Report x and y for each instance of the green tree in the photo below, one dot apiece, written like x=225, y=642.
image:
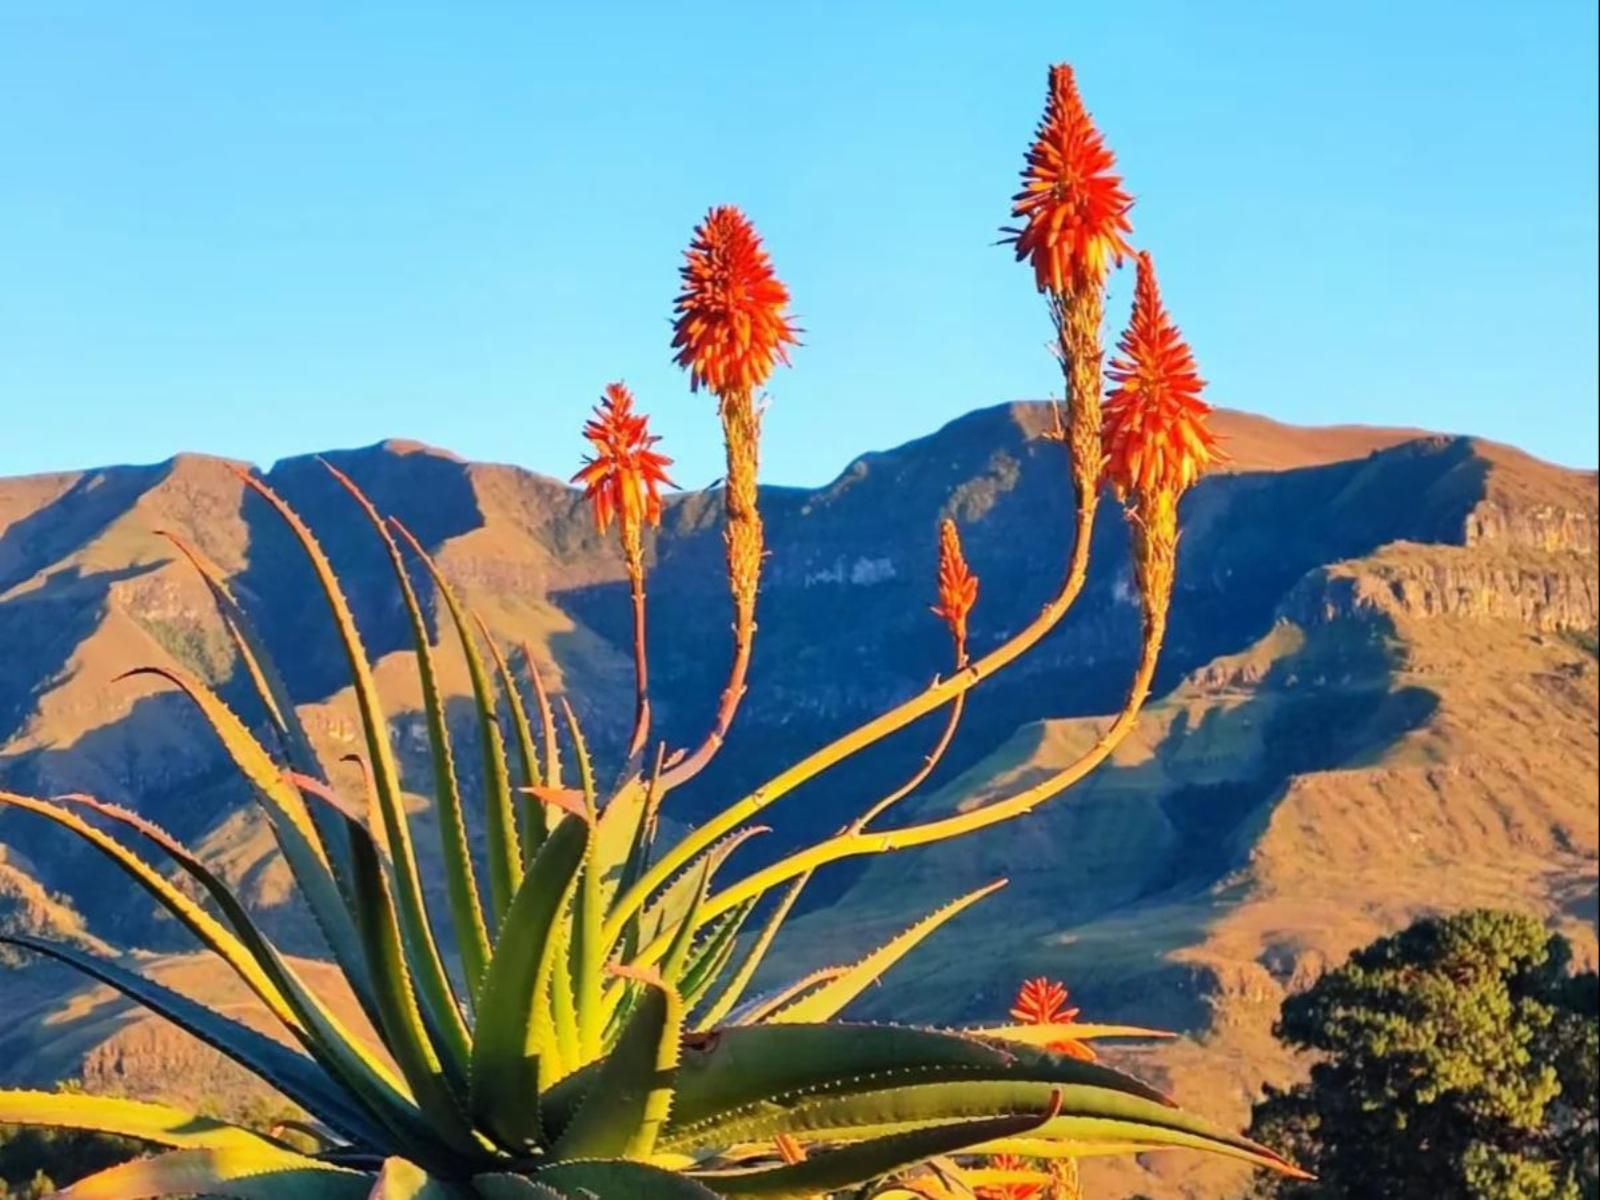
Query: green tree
x=1457, y=1061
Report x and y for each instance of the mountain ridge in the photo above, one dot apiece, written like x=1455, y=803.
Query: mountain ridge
x=1376, y=632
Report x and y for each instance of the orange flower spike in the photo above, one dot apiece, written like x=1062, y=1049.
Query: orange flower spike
x=731, y=329
x=1155, y=435
x=623, y=477
x=1072, y=205
x=958, y=586
x=1043, y=1001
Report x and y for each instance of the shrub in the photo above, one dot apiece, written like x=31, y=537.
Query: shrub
x=1458, y=1060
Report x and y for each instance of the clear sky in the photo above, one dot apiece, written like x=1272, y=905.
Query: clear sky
x=260, y=230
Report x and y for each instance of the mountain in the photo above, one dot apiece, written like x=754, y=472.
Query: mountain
x=1378, y=698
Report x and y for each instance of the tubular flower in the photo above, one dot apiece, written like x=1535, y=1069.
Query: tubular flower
x=1043, y=1001
x=623, y=477
x=1072, y=205
x=731, y=329
x=958, y=586
x=1155, y=433
x=730, y=332
x=1156, y=439
x=1012, y=1190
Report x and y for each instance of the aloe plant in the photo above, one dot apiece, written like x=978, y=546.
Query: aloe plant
x=587, y=1029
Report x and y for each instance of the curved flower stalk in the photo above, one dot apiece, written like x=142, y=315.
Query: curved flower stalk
x=732, y=329
x=1075, y=215
x=622, y=480
x=958, y=593
x=597, y=1040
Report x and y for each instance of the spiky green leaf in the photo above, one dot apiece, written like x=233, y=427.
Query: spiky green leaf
x=830, y=999
x=864, y=1161
x=434, y=993
x=631, y=1093
x=461, y=884
x=500, y=823
x=235, y=1173
x=733, y=991
x=621, y=1181
x=516, y=1034
x=158, y=1123
x=296, y=834
x=296, y=1076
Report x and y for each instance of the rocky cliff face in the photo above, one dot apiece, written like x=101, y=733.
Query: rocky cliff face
x=1549, y=591
x=1377, y=696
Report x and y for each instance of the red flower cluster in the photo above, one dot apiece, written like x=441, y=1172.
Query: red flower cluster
x=1155, y=433
x=623, y=477
x=1074, y=210
x=958, y=586
x=731, y=329
x=1043, y=1001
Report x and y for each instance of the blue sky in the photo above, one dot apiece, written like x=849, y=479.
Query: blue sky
x=264, y=230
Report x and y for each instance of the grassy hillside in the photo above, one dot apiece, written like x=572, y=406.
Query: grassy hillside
x=1378, y=698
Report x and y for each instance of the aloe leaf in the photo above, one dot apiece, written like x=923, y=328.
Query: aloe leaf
x=275, y=698
x=500, y=822
x=237, y=1173
x=158, y=1123
x=828, y=1000
x=515, y=1028
x=296, y=834
x=316, y=1027
x=530, y=811
x=638, y=857
x=547, y=720
x=400, y=1179
x=461, y=884
x=1090, y=1113
x=438, y=1091
x=588, y=950
x=622, y=828
x=199, y=922
x=620, y=1180
x=864, y=1161
x=733, y=991
x=296, y=1076
x=677, y=955
x=760, y=1009
x=667, y=911
x=433, y=986
x=1037, y=1147
x=258, y=663
x=631, y=1093
x=728, y=1069
x=514, y=1187
x=732, y=1068
x=563, y=998
x=711, y=957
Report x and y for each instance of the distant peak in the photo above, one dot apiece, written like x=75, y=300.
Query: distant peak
x=411, y=446
x=377, y=451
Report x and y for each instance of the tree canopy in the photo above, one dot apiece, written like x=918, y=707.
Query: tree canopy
x=1457, y=1060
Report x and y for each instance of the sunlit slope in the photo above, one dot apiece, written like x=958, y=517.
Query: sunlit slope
x=1275, y=811
x=1378, y=695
